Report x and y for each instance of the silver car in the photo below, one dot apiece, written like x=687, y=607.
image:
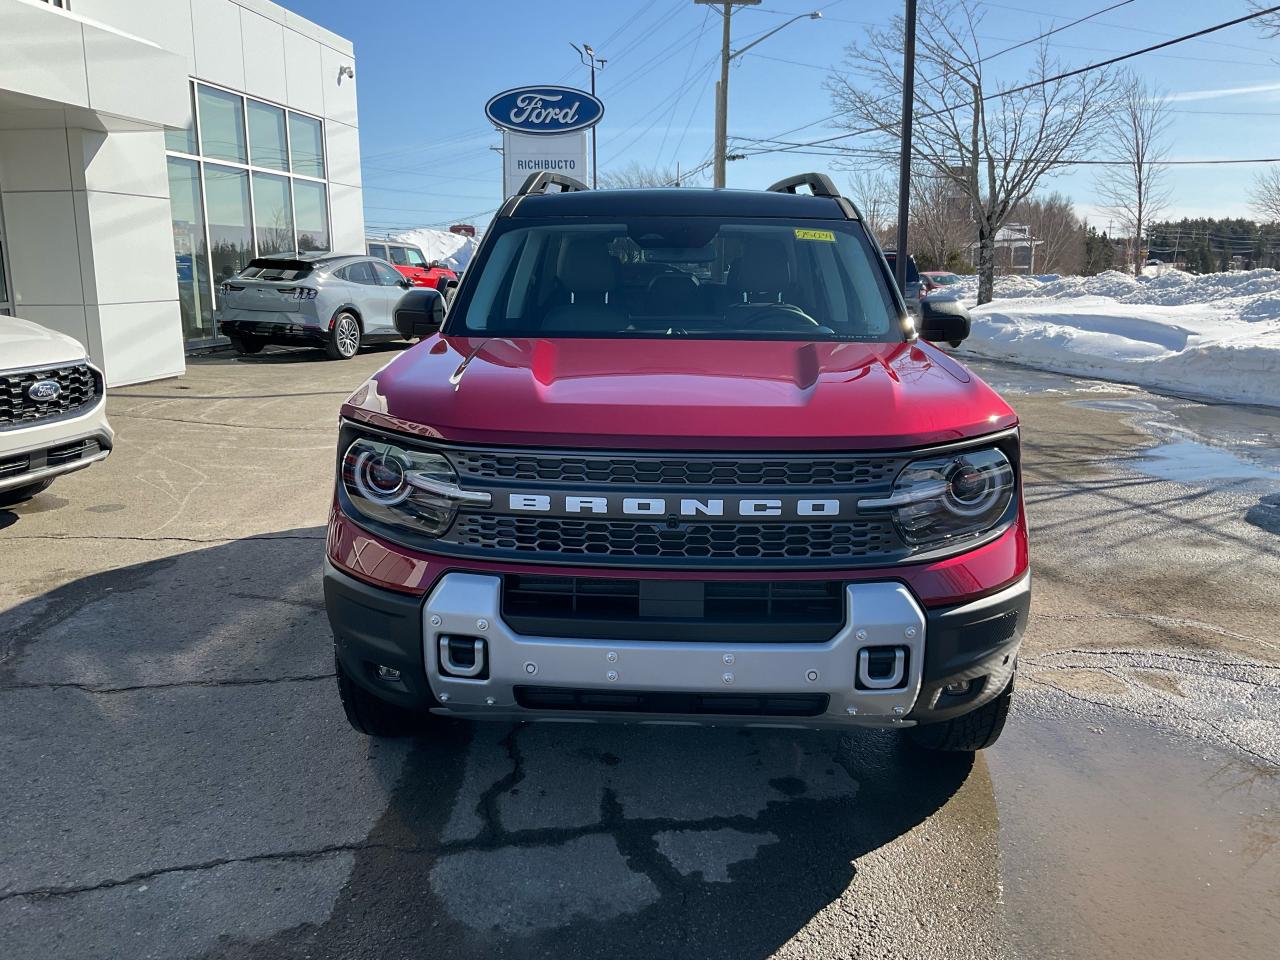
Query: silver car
x=320, y=300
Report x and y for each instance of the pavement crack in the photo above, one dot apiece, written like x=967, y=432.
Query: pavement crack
x=221, y=423
x=307, y=604
x=318, y=853
x=487, y=805
x=177, y=684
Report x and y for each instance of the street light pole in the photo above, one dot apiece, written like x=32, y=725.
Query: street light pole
x=725, y=9
x=904, y=164
x=589, y=60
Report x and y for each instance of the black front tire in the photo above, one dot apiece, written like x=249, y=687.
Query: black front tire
x=246, y=345
x=371, y=715
x=972, y=731
x=19, y=494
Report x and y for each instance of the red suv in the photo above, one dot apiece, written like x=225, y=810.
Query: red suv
x=679, y=455
x=408, y=259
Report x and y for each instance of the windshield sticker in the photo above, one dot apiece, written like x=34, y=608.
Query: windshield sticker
x=827, y=235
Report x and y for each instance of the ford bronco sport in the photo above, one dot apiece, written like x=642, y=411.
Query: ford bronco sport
x=678, y=455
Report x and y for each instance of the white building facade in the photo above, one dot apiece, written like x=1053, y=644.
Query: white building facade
x=150, y=149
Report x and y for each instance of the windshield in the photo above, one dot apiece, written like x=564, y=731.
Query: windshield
x=692, y=277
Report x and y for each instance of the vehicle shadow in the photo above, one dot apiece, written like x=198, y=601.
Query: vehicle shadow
x=647, y=842
x=286, y=355
x=213, y=666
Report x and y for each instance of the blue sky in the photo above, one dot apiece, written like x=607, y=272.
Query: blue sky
x=425, y=71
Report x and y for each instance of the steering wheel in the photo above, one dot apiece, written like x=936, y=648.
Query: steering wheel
x=776, y=316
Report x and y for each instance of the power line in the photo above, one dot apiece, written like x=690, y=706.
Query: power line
x=890, y=155
x=1030, y=40
x=1065, y=75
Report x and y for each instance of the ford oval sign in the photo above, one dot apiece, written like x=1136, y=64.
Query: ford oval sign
x=43, y=391
x=544, y=110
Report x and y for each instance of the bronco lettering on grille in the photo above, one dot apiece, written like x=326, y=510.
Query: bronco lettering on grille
x=747, y=507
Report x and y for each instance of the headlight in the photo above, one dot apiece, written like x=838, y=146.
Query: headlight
x=401, y=486
x=952, y=496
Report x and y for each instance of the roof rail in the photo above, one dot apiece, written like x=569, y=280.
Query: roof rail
x=539, y=182
x=819, y=185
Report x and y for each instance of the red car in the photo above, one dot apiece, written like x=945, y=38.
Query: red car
x=408, y=259
x=678, y=455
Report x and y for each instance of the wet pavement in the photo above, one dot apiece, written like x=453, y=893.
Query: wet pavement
x=179, y=780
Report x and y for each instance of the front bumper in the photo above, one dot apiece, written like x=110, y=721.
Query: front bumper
x=30, y=453
x=792, y=684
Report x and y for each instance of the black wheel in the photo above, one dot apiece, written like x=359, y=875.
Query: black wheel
x=971, y=731
x=18, y=494
x=372, y=716
x=244, y=345
x=344, y=338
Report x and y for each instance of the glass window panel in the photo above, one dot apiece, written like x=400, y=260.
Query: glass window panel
x=266, y=136
x=190, y=252
x=386, y=276
x=272, y=214
x=378, y=250
x=221, y=124
x=311, y=210
x=183, y=139
x=230, y=236
x=306, y=141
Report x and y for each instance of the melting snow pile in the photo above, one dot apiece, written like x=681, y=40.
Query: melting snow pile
x=453, y=248
x=1214, y=335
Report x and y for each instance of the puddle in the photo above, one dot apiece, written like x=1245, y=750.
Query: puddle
x=1124, y=843
x=1192, y=462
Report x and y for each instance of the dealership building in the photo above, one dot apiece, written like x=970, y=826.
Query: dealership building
x=149, y=149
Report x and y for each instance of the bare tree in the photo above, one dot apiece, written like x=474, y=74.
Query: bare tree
x=876, y=196
x=1266, y=193
x=994, y=141
x=636, y=174
x=1058, y=233
x=940, y=226
x=1133, y=189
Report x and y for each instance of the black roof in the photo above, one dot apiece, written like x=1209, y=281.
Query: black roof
x=677, y=202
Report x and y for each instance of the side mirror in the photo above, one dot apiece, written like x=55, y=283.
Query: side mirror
x=419, y=313
x=943, y=321
x=404, y=282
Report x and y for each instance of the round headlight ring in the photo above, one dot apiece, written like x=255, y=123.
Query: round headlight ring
x=380, y=478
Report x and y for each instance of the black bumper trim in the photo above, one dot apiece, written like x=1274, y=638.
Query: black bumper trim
x=372, y=625
x=976, y=641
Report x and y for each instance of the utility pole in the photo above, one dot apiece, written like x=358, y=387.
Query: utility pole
x=590, y=60
x=904, y=165
x=725, y=9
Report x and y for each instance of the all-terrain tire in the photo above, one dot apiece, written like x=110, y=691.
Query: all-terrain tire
x=18, y=494
x=971, y=731
x=371, y=715
x=246, y=345
x=344, y=338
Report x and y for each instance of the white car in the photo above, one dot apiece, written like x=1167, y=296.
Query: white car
x=53, y=409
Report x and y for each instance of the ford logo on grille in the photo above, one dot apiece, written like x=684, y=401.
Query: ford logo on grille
x=42, y=391
x=544, y=110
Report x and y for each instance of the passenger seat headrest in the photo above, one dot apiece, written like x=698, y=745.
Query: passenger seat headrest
x=586, y=266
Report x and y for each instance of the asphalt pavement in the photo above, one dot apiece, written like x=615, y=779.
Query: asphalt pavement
x=179, y=782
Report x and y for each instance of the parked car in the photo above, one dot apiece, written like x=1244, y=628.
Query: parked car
x=408, y=259
x=322, y=300
x=53, y=409
x=678, y=455
x=937, y=279
x=914, y=291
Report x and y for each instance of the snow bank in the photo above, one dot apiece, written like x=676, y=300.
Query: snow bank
x=1214, y=335
x=454, y=249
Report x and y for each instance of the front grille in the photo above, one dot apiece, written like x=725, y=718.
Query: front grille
x=80, y=388
x=621, y=541
x=724, y=704
x=690, y=471
x=699, y=611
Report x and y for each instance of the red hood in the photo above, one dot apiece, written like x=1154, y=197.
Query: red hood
x=680, y=394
